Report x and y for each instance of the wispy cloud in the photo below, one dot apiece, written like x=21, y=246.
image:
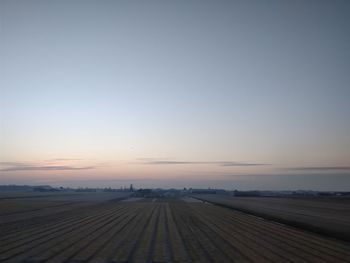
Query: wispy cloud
x=241, y=164
x=64, y=159
x=319, y=168
x=11, y=164
x=16, y=166
x=153, y=161
x=171, y=162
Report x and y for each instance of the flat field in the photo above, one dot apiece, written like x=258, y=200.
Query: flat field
x=325, y=215
x=158, y=230
x=17, y=206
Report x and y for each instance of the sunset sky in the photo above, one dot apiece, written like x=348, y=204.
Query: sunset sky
x=228, y=94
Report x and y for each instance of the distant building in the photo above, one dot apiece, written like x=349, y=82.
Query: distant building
x=44, y=188
x=208, y=191
x=203, y=191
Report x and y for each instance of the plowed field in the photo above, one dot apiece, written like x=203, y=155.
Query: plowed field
x=162, y=230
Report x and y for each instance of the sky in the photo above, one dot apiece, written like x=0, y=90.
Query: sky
x=227, y=94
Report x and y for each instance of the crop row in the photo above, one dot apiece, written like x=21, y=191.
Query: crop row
x=166, y=231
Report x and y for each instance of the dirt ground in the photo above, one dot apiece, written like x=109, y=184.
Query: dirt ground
x=160, y=230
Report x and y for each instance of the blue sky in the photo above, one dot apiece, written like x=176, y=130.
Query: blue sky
x=190, y=84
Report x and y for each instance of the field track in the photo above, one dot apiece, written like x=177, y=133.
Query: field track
x=162, y=230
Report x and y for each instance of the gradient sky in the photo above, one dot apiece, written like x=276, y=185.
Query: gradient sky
x=233, y=94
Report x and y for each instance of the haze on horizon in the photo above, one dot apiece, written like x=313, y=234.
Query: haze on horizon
x=228, y=94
